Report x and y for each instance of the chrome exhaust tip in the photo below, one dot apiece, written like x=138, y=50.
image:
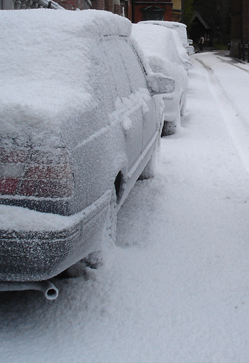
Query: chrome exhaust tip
x=49, y=290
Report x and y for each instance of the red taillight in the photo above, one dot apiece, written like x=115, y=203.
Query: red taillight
x=38, y=173
x=8, y=186
x=12, y=162
x=16, y=155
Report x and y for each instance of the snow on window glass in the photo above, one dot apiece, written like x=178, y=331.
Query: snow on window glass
x=116, y=65
x=93, y=120
x=133, y=66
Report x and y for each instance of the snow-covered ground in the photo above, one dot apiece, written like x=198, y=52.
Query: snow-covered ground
x=176, y=288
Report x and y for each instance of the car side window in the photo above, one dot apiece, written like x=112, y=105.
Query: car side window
x=101, y=82
x=116, y=65
x=173, y=54
x=133, y=66
x=94, y=115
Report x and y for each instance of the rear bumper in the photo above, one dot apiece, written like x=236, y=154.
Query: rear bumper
x=39, y=255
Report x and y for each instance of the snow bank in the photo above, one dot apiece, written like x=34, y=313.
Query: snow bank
x=44, y=72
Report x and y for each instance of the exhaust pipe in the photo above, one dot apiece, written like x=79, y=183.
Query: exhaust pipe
x=47, y=287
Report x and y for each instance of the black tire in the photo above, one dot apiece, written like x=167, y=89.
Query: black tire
x=168, y=128
x=95, y=259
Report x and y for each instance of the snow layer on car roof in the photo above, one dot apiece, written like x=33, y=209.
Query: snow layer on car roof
x=179, y=27
x=156, y=41
x=160, y=42
x=168, y=24
x=45, y=64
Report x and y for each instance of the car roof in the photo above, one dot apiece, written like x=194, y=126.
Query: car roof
x=45, y=61
x=179, y=27
x=168, y=24
x=156, y=41
x=82, y=23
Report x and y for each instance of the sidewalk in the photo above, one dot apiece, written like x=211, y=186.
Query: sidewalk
x=229, y=82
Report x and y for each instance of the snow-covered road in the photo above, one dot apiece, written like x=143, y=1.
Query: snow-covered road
x=176, y=288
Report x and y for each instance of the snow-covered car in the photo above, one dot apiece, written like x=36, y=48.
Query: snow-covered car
x=79, y=123
x=180, y=28
x=162, y=52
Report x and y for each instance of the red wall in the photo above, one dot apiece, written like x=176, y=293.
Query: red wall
x=138, y=14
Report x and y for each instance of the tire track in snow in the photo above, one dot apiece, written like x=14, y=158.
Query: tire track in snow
x=236, y=124
x=232, y=64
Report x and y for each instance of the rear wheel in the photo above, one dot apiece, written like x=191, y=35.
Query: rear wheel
x=97, y=258
x=168, y=128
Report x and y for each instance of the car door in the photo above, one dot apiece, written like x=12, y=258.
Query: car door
x=136, y=74
x=127, y=112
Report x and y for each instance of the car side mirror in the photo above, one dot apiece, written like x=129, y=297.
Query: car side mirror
x=160, y=84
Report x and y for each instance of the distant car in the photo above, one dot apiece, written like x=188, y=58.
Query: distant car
x=80, y=122
x=163, y=51
x=180, y=28
x=192, y=49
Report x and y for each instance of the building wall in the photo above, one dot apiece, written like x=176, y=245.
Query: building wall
x=85, y=4
x=138, y=7
x=245, y=21
x=129, y=10
x=74, y=4
x=177, y=4
x=177, y=10
x=176, y=15
x=240, y=25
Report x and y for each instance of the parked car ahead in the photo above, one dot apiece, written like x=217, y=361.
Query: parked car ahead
x=181, y=30
x=79, y=124
x=190, y=48
x=162, y=52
